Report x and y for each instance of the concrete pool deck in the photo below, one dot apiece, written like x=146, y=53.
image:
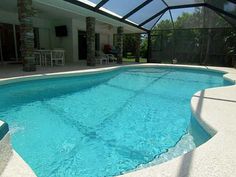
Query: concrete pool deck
x=214, y=108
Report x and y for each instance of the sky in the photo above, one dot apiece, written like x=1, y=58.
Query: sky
x=122, y=7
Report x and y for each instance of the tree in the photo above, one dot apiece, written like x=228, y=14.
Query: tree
x=144, y=46
x=193, y=38
x=129, y=44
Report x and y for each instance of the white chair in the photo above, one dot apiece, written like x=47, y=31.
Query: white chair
x=112, y=58
x=46, y=57
x=58, y=57
x=102, y=58
x=38, y=58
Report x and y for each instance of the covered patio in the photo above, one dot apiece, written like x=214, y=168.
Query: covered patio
x=103, y=22
x=29, y=27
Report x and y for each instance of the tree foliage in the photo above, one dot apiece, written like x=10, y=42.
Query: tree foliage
x=194, y=36
x=129, y=44
x=197, y=37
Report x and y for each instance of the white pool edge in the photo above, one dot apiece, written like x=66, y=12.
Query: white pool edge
x=200, y=166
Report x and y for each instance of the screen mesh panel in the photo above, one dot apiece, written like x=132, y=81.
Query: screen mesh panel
x=144, y=13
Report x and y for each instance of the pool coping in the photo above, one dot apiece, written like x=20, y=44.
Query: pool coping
x=209, y=107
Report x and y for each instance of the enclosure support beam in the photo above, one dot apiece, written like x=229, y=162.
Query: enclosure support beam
x=102, y=3
x=153, y=17
x=149, y=48
x=187, y=6
x=137, y=9
x=171, y=17
x=216, y=9
x=137, y=47
x=173, y=37
x=222, y=16
x=86, y=6
x=140, y=26
x=165, y=3
x=233, y=1
x=157, y=21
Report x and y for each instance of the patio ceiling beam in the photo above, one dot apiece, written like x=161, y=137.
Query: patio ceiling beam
x=100, y=4
x=86, y=6
x=136, y=9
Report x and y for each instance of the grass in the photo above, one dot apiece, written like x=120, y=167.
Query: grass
x=142, y=60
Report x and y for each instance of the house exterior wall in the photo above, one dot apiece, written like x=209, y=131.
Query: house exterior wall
x=45, y=27
x=48, y=39
x=106, y=34
x=7, y=17
x=63, y=42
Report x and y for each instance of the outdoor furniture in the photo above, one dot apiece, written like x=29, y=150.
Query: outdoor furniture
x=112, y=58
x=50, y=57
x=108, y=49
x=46, y=57
x=57, y=57
x=38, y=58
x=102, y=58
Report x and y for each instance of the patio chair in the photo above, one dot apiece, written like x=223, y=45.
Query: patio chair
x=38, y=58
x=112, y=58
x=46, y=56
x=58, y=57
x=102, y=58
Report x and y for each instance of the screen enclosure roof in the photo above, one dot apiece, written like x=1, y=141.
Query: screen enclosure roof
x=145, y=14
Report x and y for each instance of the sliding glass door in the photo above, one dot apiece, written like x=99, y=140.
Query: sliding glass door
x=8, y=43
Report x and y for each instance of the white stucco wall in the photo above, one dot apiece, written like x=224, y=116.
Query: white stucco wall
x=7, y=17
x=48, y=39
x=66, y=42
x=47, y=36
x=79, y=24
x=44, y=26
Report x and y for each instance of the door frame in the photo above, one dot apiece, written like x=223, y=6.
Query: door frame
x=1, y=56
x=15, y=44
x=81, y=32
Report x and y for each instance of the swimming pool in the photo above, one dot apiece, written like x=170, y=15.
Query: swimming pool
x=101, y=124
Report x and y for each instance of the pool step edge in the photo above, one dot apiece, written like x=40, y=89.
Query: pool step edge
x=11, y=164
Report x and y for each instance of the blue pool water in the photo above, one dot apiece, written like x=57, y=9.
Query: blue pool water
x=101, y=124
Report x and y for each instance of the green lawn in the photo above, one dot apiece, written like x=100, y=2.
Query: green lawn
x=142, y=60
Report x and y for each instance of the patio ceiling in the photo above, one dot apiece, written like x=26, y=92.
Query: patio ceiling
x=144, y=14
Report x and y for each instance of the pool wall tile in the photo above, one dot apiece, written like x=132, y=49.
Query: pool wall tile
x=4, y=128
